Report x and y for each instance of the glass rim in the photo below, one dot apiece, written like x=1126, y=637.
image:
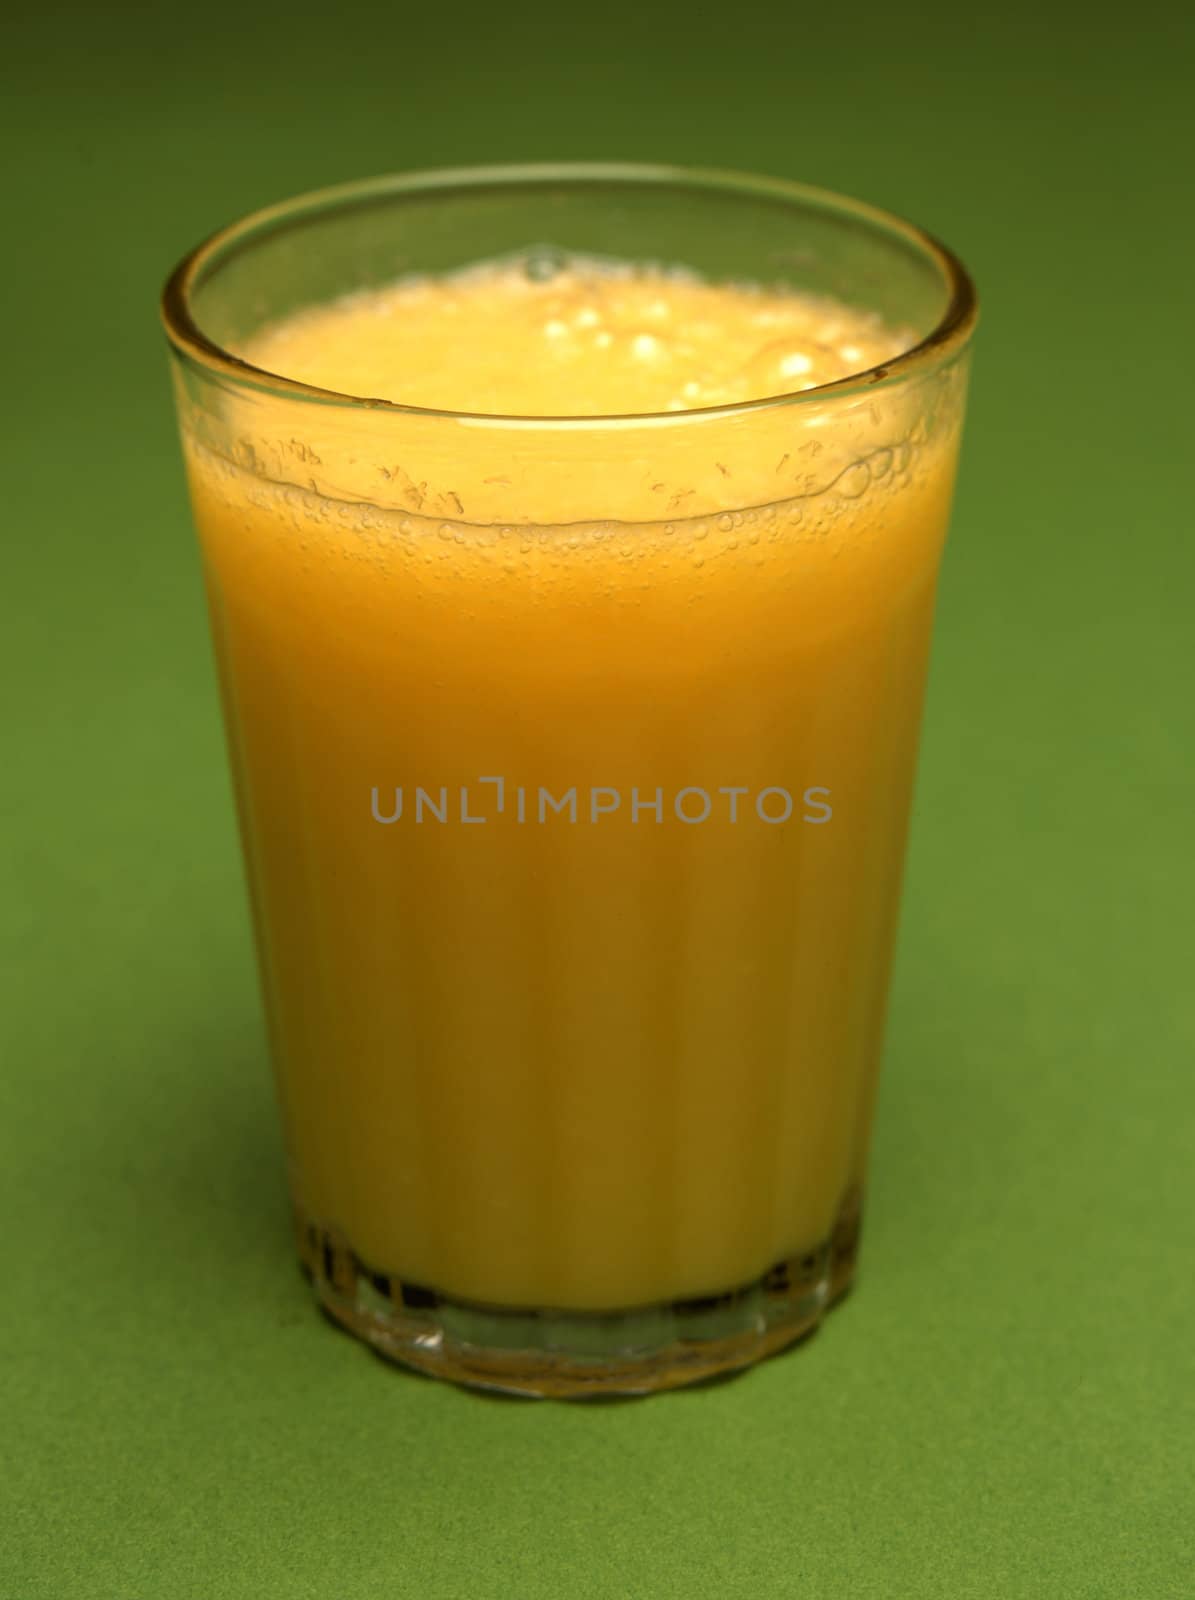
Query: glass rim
x=949, y=334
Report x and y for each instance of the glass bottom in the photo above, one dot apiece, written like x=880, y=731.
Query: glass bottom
x=551, y=1354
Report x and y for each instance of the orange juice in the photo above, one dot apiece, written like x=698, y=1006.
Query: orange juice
x=574, y=790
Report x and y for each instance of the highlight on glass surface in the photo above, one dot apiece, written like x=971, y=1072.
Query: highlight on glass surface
x=571, y=536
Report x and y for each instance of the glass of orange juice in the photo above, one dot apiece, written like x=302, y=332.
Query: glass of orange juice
x=571, y=536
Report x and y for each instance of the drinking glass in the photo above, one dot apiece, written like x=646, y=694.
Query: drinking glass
x=573, y=759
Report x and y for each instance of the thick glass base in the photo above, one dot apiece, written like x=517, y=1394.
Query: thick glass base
x=553, y=1354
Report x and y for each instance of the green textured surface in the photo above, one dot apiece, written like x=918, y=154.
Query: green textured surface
x=1005, y=1407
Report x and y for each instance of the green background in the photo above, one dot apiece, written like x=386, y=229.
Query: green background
x=1005, y=1406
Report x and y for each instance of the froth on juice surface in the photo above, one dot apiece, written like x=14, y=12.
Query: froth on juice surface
x=573, y=336
x=566, y=1056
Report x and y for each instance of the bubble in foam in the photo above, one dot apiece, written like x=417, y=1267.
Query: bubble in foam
x=543, y=262
x=785, y=364
x=854, y=481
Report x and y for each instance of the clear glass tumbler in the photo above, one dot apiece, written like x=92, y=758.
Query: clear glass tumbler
x=573, y=759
